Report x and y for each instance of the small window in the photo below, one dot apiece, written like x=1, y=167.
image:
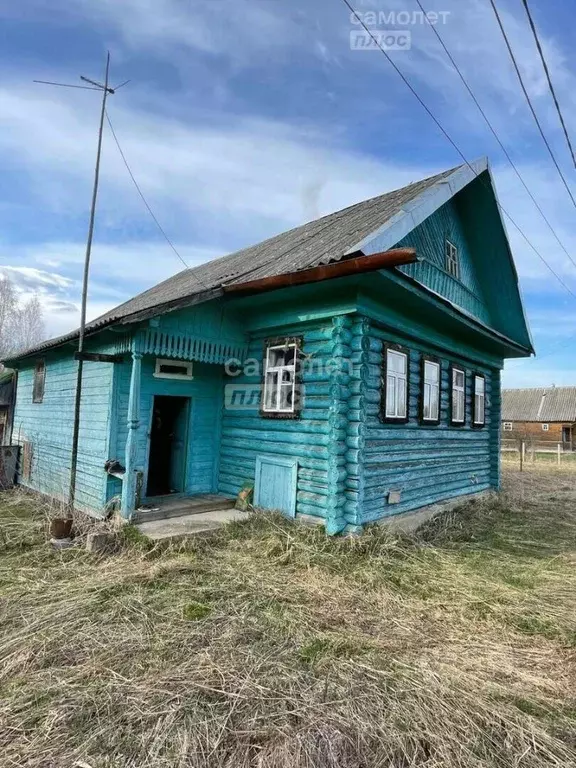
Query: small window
x=173, y=369
x=545, y=427
x=507, y=426
x=39, y=382
x=451, y=258
x=479, y=401
x=281, y=394
x=458, y=396
x=430, y=391
x=395, y=385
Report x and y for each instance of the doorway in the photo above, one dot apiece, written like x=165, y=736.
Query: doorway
x=168, y=445
x=567, y=437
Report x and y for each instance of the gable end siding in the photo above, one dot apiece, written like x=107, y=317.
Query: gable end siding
x=429, y=239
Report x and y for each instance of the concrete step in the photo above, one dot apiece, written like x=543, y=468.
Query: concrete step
x=168, y=507
x=200, y=524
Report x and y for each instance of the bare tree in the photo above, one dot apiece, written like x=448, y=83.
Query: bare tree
x=21, y=323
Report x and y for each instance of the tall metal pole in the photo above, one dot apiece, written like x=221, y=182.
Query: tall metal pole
x=78, y=398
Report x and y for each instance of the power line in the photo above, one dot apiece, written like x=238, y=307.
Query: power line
x=528, y=99
x=452, y=142
x=150, y=211
x=552, y=91
x=494, y=133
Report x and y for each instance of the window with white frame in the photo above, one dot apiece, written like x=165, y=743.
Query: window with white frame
x=458, y=396
x=545, y=427
x=280, y=378
x=507, y=426
x=431, y=391
x=479, y=401
x=451, y=259
x=173, y=369
x=396, y=385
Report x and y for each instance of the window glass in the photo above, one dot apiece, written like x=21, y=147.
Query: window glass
x=396, y=384
x=458, y=395
x=280, y=378
x=431, y=391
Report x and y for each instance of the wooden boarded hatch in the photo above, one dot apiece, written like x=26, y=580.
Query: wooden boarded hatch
x=275, y=484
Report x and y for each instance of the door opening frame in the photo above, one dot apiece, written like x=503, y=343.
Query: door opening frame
x=188, y=406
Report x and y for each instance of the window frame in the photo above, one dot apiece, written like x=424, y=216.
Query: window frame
x=507, y=426
x=434, y=361
x=390, y=347
x=478, y=424
x=276, y=343
x=546, y=427
x=188, y=364
x=38, y=397
x=451, y=256
x=453, y=421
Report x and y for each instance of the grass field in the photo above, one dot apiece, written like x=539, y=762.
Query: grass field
x=273, y=646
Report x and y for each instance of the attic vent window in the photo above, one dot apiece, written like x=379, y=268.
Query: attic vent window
x=173, y=369
x=451, y=258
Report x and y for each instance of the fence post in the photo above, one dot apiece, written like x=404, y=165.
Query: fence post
x=522, y=454
x=559, y=452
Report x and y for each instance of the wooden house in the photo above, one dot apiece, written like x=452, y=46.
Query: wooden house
x=544, y=415
x=349, y=368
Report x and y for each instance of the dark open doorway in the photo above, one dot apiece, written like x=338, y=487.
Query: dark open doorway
x=168, y=444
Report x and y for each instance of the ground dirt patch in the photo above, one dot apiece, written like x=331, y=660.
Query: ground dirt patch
x=272, y=646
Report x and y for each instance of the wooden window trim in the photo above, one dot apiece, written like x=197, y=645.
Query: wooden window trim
x=478, y=424
x=39, y=397
x=453, y=368
x=298, y=341
x=187, y=364
x=388, y=346
x=436, y=361
x=507, y=429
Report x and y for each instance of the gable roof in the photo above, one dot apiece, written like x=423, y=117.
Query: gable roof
x=540, y=405
x=334, y=237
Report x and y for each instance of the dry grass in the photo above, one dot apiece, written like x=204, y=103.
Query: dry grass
x=273, y=646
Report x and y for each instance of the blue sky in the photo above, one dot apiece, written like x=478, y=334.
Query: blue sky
x=246, y=117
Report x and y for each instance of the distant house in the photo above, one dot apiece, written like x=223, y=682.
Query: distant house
x=541, y=415
x=349, y=369
x=7, y=394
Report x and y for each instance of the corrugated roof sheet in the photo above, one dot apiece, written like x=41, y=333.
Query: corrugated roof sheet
x=540, y=404
x=319, y=242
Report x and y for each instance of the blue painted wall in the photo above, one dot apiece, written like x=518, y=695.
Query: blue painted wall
x=429, y=239
x=247, y=435
x=426, y=463
x=205, y=391
x=48, y=426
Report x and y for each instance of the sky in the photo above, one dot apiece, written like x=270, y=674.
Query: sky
x=243, y=118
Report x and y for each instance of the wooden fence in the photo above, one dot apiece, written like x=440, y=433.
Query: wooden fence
x=523, y=452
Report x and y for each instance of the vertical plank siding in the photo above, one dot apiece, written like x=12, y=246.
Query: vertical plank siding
x=205, y=391
x=48, y=426
x=429, y=239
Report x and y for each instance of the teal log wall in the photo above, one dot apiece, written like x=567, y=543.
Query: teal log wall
x=205, y=391
x=48, y=426
x=427, y=464
x=317, y=439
